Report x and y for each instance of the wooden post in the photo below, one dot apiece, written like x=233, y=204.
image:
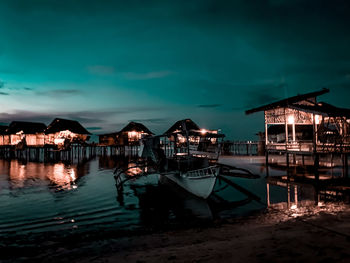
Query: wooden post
x=267, y=162
x=296, y=195
x=268, y=194
x=288, y=193
x=287, y=163
x=345, y=165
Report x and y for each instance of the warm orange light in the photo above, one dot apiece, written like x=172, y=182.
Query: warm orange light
x=317, y=119
x=204, y=131
x=290, y=119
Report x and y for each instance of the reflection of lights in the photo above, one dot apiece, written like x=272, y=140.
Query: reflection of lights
x=59, y=174
x=62, y=176
x=290, y=119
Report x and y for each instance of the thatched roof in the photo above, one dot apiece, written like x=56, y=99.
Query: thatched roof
x=289, y=101
x=182, y=125
x=325, y=109
x=135, y=126
x=58, y=125
x=26, y=127
x=3, y=129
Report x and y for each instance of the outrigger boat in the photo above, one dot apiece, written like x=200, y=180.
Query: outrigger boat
x=191, y=165
x=199, y=182
x=185, y=155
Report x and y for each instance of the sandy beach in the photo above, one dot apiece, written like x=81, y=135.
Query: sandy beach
x=313, y=234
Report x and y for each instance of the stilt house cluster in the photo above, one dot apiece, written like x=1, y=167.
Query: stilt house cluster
x=60, y=132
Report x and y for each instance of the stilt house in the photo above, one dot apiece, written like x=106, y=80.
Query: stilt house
x=132, y=133
x=300, y=124
x=62, y=131
x=26, y=133
x=199, y=139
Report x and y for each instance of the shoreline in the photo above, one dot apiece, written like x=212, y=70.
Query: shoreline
x=317, y=234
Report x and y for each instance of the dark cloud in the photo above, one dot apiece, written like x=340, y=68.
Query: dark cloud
x=60, y=92
x=209, y=105
x=4, y=93
x=151, y=120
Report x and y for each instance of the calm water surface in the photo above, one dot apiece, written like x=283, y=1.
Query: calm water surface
x=44, y=197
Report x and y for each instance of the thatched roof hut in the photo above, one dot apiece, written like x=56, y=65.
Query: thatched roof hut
x=25, y=133
x=62, y=131
x=59, y=124
x=182, y=125
x=136, y=127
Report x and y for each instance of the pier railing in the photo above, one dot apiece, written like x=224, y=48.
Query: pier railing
x=241, y=148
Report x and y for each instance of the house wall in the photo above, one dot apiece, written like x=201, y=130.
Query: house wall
x=107, y=139
x=59, y=137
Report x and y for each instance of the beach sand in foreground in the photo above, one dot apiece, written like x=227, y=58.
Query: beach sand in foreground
x=317, y=235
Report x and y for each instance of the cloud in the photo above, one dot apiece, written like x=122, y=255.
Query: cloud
x=152, y=120
x=2, y=84
x=147, y=75
x=60, y=92
x=209, y=105
x=88, y=117
x=101, y=70
x=4, y=93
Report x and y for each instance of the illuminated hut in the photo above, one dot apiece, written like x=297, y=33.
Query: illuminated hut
x=132, y=133
x=62, y=131
x=200, y=140
x=4, y=136
x=301, y=124
x=26, y=133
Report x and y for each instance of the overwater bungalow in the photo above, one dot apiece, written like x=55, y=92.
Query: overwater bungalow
x=23, y=133
x=130, y=135
x=302, y=125
x=4, y=136
x=62, y=131
x=200, y=139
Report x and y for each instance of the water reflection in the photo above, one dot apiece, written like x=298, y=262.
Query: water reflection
x=41, y=197
x=58, y=176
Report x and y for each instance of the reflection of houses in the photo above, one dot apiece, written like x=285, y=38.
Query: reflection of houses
x=130, y=135
x=62, y=131
x=200, y=140
x=26, y=133
x=301, y=124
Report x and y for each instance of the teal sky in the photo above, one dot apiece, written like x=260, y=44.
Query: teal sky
x=105, y=63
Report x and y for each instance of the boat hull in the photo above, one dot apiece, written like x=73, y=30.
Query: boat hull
x=201, y=186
